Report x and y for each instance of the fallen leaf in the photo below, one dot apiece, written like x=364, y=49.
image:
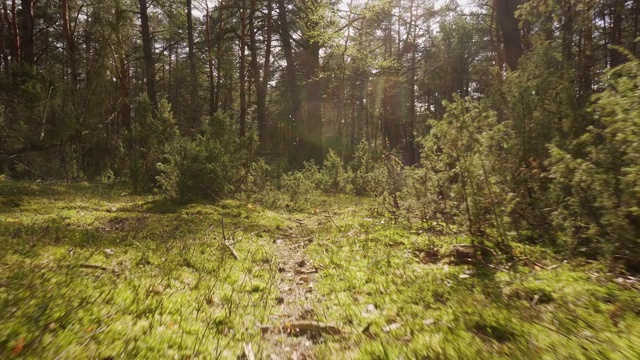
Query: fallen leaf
x=19, y=347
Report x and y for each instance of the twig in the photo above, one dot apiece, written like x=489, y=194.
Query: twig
x=552, y=329
x=476, y=245
x=95, y=267
x=534, y=263
x=233, y=252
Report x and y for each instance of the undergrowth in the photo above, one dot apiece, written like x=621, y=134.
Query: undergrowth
x=89, y=271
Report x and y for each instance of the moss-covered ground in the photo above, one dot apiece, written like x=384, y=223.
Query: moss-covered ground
x=91, y=272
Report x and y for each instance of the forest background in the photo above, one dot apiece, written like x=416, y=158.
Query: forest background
x=513, y=120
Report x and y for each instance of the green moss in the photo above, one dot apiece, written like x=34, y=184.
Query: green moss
x=90, y=272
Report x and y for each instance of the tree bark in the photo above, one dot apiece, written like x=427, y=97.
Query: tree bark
x=300, y=149
x=194, y=108
x=510, y=30
x=615, y=56
x=27, y=41
x=212, y=87
x=261, y=82
x=149, y=62
x=313, y=99
x=3, y=47
x=242, y=71
x=15, y=50
x=71, y=44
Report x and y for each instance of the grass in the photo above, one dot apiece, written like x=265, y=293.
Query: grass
x=88, y=271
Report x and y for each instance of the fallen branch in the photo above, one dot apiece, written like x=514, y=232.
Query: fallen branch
x=526, y=259
x=225, y=242
x=476, y=246
x=96, y=267
x=233, y=252
x=303, y=327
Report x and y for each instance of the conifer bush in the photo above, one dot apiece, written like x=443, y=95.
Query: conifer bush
x=210, y=166
x=596, y=187
x=148, y=140
x=463, y=177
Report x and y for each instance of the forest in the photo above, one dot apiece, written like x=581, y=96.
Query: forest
x=320, y=179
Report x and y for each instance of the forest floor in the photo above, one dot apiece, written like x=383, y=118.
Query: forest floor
x=88, y=271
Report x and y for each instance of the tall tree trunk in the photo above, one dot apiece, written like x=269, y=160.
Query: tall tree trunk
x=194, y=108
x=219, y=40
x=567, y=34
x=391, y=97
x=212, y=91
x=411, y=151
x=3, y=46
x=242, y=71
x=313, y=94
x=300, y=150
x=149, y=62
x=261, y=83
x=508, y=23
x=15, y=50
x=27, y=41
x=71, y=44
x=615, y=56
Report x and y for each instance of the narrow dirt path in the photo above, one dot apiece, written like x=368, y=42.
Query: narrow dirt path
x=293, y=328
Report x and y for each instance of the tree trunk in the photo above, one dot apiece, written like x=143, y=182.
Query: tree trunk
x=149, y=62
x=3, y=47
x=71, y=44
x=27, y=41
x=261, y=83
x=300, y=149
x=242, y=72
x=15, y=50
x=194, y=108
x=313, y=94
x=615, y=56
x=212, y=91
x=219, y=39
x=510, y=30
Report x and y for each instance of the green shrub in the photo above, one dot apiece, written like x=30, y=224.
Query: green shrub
x=368, y=170
x=210, y=166
x=335, y=176
x=463, y=177
x=596, y=186
x=147, y=142
x=302, y=187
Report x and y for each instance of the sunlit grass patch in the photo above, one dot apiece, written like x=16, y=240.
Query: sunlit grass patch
x=396, y=304
x=87, y=273
x=93, y=277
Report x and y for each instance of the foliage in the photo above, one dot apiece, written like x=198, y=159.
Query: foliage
x=302, y=187
x=210, y=166
x=336, y=177
x=150, y=135
x=464, y=178
x=88, y=271
x=597, y=195
x=368, y=170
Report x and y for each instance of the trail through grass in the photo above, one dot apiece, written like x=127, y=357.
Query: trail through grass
x=92, y=272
